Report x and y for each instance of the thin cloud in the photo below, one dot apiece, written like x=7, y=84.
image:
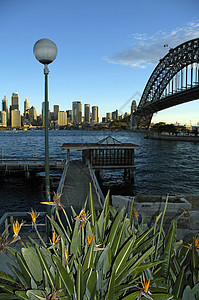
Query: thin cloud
x=147, y=50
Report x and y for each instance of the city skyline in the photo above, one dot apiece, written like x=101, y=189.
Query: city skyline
x=106, y=51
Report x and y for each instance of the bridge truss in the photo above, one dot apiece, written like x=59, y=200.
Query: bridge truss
x=175, y=80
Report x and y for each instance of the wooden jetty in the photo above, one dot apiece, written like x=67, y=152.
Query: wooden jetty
x=78, y=175
x=29, y=165
x=108, y=153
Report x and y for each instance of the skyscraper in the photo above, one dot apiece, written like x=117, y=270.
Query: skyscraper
x=32, y=115
x=87, y=113
x=3, y=118
x=62, y=118
x=77, y=112
x=5, y=108
x=95, y=116
x=15, y=118
x=15, y=101
x=26, y=107
x=56, y=110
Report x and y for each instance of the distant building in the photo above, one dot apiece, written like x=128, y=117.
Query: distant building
x=115, y=115
x=108, y=117
x=3, y=118
x=32, y=115
x=77, y=112
x=5, y=108
x=15, y=118
x=15, y=101
x=95, y=114
x=87, y=114
x=26, y=108
x=62, y=118
x=56, y=110
x=69, y=116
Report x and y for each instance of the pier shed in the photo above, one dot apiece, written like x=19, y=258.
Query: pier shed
x=108, y=153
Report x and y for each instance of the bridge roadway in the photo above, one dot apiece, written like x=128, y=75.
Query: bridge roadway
x=75, y=187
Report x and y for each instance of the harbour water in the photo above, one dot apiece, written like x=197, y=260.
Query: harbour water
x=162, y=167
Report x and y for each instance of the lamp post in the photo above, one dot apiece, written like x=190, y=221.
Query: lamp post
x=45, y=52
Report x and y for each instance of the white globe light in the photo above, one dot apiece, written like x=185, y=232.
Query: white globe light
x=45, y=51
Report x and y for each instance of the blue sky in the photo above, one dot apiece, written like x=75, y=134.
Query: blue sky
x=107, y=50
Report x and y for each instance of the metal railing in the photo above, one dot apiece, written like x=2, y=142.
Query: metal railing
x=96, y=185
x=8, y=219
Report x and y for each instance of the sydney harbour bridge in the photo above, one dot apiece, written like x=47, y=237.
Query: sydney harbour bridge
x=174, y=81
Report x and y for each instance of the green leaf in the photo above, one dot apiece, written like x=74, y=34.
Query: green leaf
x=35, y=294
x=21, y=295
x=91, y=206
x=7, y=277
x=179, y=283
x=104, y=261
x=131, y=212
x=20, y=277
x=132, y=296
x=24, y=268
x=65, y=277
x=7, y=288
x=75, y=239
x=111, y=287
x=88, y=262
x=91, y=284
x=33, y=264
x=115, y=226
x=123, y=255
x=169, y=245
x=79, y=283
x=45, y=267
x=6, y=296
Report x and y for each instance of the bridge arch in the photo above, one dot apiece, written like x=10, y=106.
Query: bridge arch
x=174, y=62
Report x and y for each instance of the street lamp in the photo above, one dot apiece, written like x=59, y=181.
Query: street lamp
x=45, y=52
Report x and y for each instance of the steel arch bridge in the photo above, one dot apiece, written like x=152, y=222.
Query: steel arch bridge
x=175, y=80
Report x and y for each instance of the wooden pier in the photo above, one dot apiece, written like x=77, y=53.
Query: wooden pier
x=29, y=165
x=108, y=153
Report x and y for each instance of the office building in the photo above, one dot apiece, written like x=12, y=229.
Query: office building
x=62, y=118
x=3, y=118
x=87, y=114
x=108, y=117
x=95, y=116
x=77, y=112
x=15, y=101
x=32, y=115
x=15, y=118
x=115, y=115
x=6, y=108
x=56, y=110
x=26, y=108
x=69, y=116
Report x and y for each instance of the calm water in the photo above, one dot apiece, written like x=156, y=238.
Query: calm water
x=162, y=167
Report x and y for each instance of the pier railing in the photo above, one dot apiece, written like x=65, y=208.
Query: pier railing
x=8, y=219
x=29, y=163
x=96, y=185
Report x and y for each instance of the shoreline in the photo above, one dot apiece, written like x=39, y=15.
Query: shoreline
x=173, y=138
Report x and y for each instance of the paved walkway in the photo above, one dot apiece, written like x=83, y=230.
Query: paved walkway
x=77, y=186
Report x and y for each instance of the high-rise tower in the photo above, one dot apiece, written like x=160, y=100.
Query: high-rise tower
x=56, y=110
x=15, y=101
x=77, y=112
x=26, y=107
x=5, y=108
x=95, y=116
x=87, y=113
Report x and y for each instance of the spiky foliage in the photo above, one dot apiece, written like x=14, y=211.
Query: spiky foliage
x=105, y=256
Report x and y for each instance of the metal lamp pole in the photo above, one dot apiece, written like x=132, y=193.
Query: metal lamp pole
x=45, y=52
